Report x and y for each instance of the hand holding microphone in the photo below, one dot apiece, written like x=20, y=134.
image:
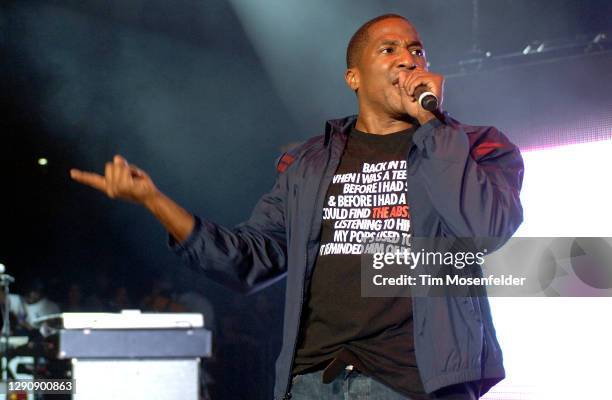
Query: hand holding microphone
x=421, y=93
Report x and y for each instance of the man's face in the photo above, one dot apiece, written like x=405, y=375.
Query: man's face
x=393, y=45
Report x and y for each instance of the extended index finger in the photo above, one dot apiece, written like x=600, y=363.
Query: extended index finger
x=94, y=180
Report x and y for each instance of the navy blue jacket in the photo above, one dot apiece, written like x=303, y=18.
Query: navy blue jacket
x=463, y=181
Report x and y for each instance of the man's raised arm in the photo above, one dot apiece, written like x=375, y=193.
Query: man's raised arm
x=127, y=182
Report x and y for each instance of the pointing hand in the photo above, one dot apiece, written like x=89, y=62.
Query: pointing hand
x=120, y=181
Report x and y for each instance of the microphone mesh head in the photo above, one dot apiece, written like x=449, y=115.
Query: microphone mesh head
x=429, y=102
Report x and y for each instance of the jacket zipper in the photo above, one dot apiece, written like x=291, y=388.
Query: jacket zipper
x=287, y=393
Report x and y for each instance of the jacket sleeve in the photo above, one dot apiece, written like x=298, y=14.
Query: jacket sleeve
x=473, y=181
x=248, y=257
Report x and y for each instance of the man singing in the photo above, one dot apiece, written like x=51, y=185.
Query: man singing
x=396, y=169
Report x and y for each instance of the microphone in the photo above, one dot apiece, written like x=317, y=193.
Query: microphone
x=426, y=99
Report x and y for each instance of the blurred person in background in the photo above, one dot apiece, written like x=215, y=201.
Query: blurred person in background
x=31, y=307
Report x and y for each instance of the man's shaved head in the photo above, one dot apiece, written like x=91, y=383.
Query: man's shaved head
x=360, y=39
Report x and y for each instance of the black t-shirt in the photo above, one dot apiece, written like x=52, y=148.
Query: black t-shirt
x=375, y=334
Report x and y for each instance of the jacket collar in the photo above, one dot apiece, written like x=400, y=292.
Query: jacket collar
x=341, y=125
x=345, y=124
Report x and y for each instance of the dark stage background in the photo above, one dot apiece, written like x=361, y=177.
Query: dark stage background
x=204, y=95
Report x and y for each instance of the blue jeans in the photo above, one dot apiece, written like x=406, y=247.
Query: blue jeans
x=348, y=385
x=352, y=385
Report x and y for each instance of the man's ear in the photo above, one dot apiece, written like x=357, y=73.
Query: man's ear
x=351, y=76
